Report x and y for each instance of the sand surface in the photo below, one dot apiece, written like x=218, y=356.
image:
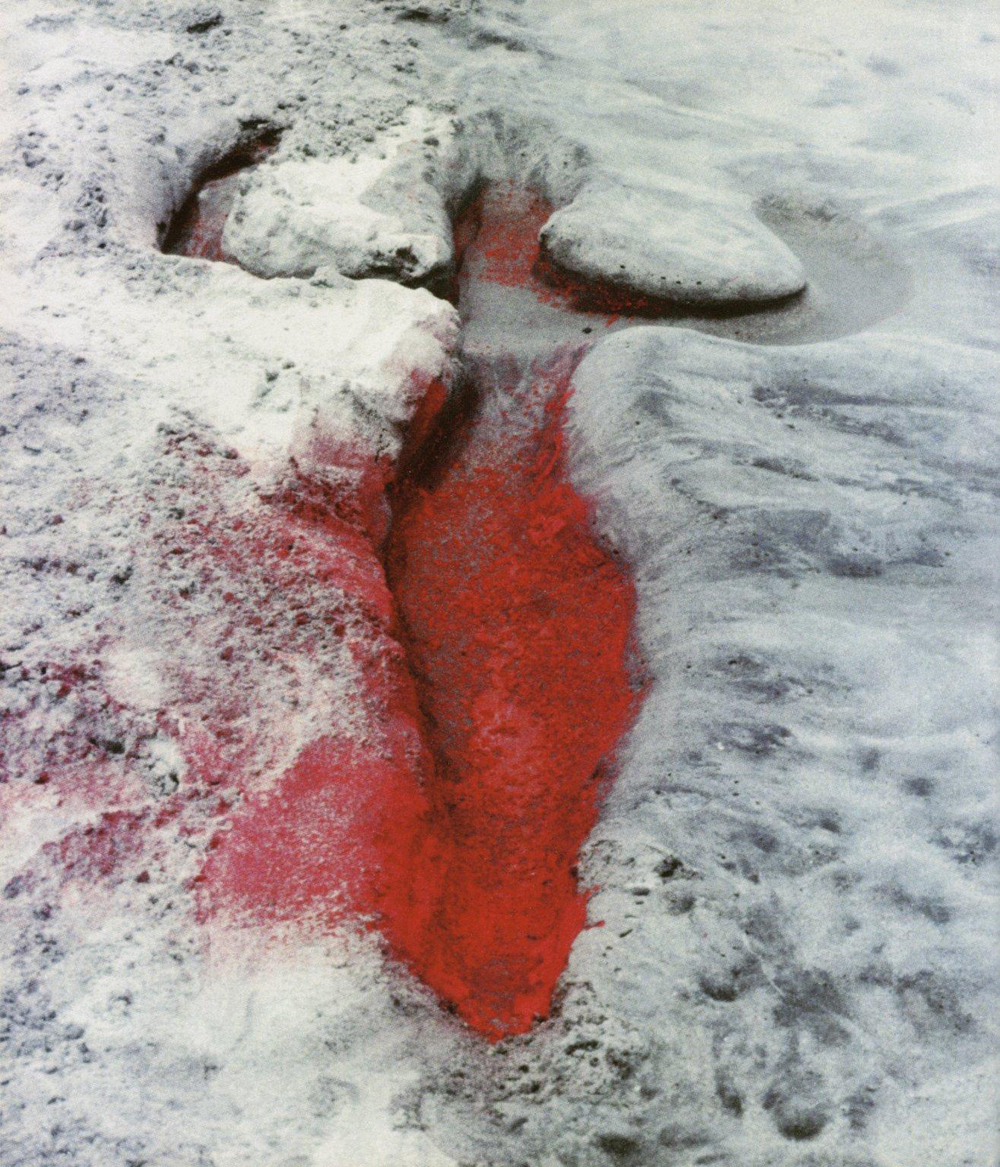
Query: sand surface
x=783, y=432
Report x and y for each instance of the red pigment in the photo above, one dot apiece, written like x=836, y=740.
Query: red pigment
x=517, y=625
x=198, y=226
x=453, y=820
x=344, y=832
x=72, y=760
x=104, y=850
x=341, y=835
x=518, y=630
x=499, y=230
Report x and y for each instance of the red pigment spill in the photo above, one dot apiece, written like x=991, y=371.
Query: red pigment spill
x=102, y=849
x=499, y=231
x=72, y=759
x=453, y=819
x=345, y=831
x=517, y=625
x=518, y=629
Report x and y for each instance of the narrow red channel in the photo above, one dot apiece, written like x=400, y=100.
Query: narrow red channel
x=456, y=830
x=518, y=630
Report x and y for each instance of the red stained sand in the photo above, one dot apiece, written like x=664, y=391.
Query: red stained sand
x=340, y=836
x=295, y=575
x=452, y=821
x=504, y=222
x=496, y=240
x=197, y=228
x=518, y=628
x=103, y=849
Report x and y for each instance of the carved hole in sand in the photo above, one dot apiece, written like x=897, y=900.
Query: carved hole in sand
x=196, y=229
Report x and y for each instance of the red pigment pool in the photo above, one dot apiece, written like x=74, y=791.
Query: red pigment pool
x=517, y=628
x=455, y=825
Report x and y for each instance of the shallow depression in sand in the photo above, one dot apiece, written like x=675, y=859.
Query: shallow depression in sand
x=855, y=279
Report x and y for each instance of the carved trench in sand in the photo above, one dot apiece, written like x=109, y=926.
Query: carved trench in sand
x=456, y=832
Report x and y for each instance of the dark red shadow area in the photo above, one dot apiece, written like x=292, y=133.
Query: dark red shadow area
x=492, y=638
x=196, y=229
